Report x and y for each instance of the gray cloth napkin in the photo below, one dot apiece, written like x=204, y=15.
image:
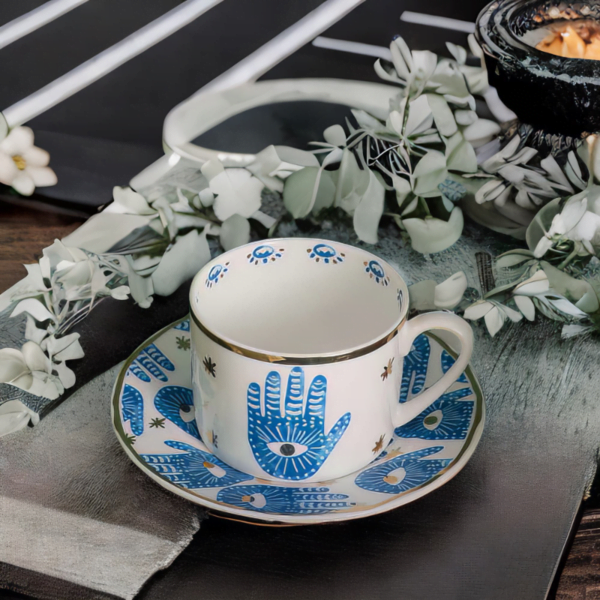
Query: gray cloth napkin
x=76, y=510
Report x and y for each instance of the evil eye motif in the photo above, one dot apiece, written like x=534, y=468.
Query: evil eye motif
x=376, y=272
x=264, y=254
x=176, y=403
x=287, y=448
x=278, y=500
x=216, y=274
x=325, y=253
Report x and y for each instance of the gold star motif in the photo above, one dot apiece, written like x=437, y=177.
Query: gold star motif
x=379, y=445
x=209, y=366
x=183, y=343
x=387, y=370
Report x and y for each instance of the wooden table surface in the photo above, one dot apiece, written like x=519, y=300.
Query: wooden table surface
x=23, y=235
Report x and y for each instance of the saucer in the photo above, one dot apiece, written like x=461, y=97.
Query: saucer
x=153, y=416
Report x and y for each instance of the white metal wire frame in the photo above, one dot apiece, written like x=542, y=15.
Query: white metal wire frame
x=247, y=70
x=35, y=19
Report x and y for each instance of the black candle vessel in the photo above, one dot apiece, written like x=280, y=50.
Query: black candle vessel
x=558, y=97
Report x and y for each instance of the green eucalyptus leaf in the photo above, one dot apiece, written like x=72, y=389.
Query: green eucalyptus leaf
x=181, y=262
x=431, y=235
x=460, y=155
x=326, y=192
x=429, y=173
x=402, y=188
x=352, y=183
x=368, y=213
x=513, y=258
x=235, y=232
x=34, y=308
x=306, y=189
x=575, y=290
x=401, y=57
x=275, y=163
x=367, y=121
x=481, y=132
x=335, y=135
x=105, y=231
x=541, y=223
x=420, y=117
x=14, y=416
x=442, y=115
x=381, y=71
x=458, y=52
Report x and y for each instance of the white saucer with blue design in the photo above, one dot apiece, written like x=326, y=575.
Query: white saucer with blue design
x=153, y=416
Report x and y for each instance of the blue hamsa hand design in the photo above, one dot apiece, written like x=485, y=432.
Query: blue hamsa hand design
x=415, y=368
x=402, y=473
x=194, y=468
x=151, y=362
x=132, y=408
x=176, y=403
x=448, y=418
x=278, y=500
x=295, y=445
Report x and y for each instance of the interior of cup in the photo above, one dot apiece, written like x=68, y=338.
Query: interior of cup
x=299, y=297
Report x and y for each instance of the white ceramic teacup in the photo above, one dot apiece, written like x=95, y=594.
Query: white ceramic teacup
x=298, y=349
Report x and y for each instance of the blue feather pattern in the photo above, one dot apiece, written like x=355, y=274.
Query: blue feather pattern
x=415, y=364
x=278, y=500
x=132, y=407
x=194, y=468
x=151, y=360
x=402, y=473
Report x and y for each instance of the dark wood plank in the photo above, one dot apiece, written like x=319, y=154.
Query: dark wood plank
x=23, y=235
x=580, y=579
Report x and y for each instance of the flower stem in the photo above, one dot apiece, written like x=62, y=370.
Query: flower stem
x=568, y=260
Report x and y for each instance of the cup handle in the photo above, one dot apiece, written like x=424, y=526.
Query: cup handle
x=412, y=329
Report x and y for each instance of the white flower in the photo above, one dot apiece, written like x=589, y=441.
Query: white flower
x=557, y=294
x=494, y=314
x=431, y=235
x=578, y=222
x=236, y=189
x=14, y=416
x=23, y=166
x=426, y=295
x=40, y=368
